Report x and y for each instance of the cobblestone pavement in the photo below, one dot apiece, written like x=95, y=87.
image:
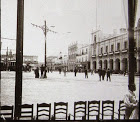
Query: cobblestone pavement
x=60, y=88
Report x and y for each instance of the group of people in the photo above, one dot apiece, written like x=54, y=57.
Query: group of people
x=85, y=71
x=101, y=73
x=43, y=70
x=104, y=72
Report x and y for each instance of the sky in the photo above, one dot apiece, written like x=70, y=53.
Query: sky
x=79, y=17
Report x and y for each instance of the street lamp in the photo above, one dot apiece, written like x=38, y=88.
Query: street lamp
x=45, y=30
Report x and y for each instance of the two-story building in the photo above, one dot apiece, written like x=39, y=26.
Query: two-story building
x=51, y=62
x=112, y=52
x=72, y=51
x=83, y=57
x=8, y=60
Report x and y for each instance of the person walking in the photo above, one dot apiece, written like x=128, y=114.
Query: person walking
x=100, y=73
x=91, y=71
x=131, y=103
x=42, y=70
x=45, y=70
x=64, y=71
x=51, y=70
x=124, y=73
x=108, y=75
x=37, y=72
x=48, y=69
x=59, y=70
x=86, y=73
x=75, y=71
x=103, y=73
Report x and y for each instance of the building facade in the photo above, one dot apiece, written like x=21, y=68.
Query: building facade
x=8, y=61
x=112, y=52
x=51, y=62
x=72, y=51
x=28, y=59
x=65, y=62
x=61, y=62
x=83, y=57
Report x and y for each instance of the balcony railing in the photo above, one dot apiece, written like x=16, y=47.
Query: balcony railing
x=117, y=52
x=105, y=54
x=135, y=48
x=124, y=50
x=100, y=55
x=94, y=55
x=111, y=53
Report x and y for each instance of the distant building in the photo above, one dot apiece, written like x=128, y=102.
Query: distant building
x=61, y=62
x=65, y=62
x=112, y=51
x=8, y=60
x=83, y=57
x=28, y=59
x=72, y=51
x=51, y=62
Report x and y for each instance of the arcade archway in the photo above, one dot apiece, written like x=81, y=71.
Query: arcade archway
x=117, y=64
x=100, y=64
x=111, y=64
x=94, y=65
x=105, y=64
x=124, y=64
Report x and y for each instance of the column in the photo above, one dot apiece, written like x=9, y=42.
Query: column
x=121, y=64
x=114, y=65
x=138, y=66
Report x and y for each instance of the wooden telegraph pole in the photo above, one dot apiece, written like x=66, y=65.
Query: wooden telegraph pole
x=45, y=33
x=131, y=23
x=19, y=57
x=0, y=44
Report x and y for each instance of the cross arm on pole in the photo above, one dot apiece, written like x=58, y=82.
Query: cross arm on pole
x=45, y=29
x=37, y=26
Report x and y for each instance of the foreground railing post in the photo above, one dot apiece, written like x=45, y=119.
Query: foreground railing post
x=52, y=118
x=83, y=118
x=0, y=43
x=97, y=117
x=69, y=117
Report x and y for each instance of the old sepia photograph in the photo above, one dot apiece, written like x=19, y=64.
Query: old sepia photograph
x=69, y=60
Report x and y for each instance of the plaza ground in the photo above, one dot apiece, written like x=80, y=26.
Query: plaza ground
x=60, y=88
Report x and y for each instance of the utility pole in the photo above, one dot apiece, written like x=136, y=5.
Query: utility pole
x=45, y=30
x=19, y=57
x=7, y=59
x=131, y=23
x=0, y=44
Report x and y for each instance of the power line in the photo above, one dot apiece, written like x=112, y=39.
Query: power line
x=43, y=28
x=7, y=38
x=9, y=49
